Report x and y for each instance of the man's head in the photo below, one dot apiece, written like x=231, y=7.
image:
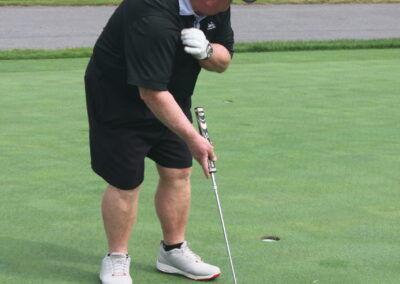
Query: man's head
x=212, y=7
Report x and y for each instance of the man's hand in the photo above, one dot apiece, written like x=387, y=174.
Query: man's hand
x=166, y=109
x=202, y=151
x=195, y=43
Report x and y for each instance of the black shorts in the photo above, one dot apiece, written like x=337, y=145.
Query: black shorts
x=118, y=146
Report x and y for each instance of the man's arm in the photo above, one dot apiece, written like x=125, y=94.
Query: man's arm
x=196, y=44
x=219, y=61
x=165, y=108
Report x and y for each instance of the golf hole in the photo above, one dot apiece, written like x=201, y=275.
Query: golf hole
x=270, y=239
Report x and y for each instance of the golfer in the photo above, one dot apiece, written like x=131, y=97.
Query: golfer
x=139, y=84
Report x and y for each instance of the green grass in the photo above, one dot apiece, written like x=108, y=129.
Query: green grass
x=116, y=2
x=316, y=45
x=239, y=48
x=45, y=54
x=308, y=151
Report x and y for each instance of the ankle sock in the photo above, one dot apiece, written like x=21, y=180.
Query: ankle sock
x=171, y=247
x=109, y=254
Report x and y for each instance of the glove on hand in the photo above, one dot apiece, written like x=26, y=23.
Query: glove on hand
x=195, y=43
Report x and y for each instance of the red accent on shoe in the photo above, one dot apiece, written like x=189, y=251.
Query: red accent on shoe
x=201, y=279
x=121, y=275
x=206, y=279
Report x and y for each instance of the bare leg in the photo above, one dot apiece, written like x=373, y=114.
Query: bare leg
x=119, y=210
x=172, y=202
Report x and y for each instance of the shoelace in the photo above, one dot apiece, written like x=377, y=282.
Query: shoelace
x=119, y=265
x=187, y=252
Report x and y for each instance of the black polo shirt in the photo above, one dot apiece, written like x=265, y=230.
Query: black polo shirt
x=141, y=47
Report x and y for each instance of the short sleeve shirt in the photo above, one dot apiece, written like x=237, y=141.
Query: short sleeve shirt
x=140, y=46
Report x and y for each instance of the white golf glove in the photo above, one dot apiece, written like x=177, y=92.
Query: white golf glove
x=195, y=43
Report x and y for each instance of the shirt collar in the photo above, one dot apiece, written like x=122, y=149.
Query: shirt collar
x=185, y=8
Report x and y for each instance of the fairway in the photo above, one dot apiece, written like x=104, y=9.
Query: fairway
x=308, y=148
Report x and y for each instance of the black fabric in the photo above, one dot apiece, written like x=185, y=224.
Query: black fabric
x=140, y=46
x=118, y=149
x=171, y=247
x=116, y=105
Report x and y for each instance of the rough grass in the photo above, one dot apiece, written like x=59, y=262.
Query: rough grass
x=308, y=147
x=239, y=48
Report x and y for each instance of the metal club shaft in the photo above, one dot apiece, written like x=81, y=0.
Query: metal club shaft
x=223, y=226
x=201, y=120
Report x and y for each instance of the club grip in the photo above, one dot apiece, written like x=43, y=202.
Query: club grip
x=201, y=122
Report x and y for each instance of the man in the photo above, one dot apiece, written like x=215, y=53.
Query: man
x=139, y=84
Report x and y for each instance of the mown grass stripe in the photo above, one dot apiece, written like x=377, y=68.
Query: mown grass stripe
x=45, y=54
x=239, y=47
x=317, y=45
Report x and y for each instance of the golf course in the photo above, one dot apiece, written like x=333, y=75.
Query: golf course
x=307, y=145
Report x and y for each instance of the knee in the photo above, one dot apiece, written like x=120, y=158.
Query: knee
x=123, y=194
x=175, y=175
x=184, y=174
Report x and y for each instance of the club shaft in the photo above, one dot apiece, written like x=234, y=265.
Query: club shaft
x=223, y=225
x=201, y=121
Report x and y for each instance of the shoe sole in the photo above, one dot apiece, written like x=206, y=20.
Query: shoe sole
x=172, y=270
x=101, y=280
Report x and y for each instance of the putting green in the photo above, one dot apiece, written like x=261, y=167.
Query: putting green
x=308, y=147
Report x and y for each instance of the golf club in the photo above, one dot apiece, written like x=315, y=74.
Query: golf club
x=201, y=121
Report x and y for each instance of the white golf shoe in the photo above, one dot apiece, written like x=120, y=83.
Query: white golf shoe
x=183, y=261
x=115, y=269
